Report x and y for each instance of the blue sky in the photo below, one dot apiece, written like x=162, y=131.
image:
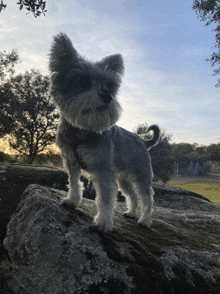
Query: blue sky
x=167, y=80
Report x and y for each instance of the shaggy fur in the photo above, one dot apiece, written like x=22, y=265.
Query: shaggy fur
x=89, y=140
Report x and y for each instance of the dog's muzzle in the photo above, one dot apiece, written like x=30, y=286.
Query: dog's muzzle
x=105, y=96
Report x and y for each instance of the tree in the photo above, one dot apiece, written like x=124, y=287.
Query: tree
x=37, y=7
x=209, y=11
x=7, y=63
x=161, y=154
x=184, y=153
x=2, y=6
x=213, y=152
x=29, y=112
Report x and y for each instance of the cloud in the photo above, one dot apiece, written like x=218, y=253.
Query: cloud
x=204, y=137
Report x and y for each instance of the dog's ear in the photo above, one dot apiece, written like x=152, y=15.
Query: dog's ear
x=112, y=63
x=62, y=54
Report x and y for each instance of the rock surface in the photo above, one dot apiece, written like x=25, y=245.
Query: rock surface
x=52, y=250
x=166, y=189
x=14, y=179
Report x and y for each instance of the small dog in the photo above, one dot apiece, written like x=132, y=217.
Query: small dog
x=85, y=92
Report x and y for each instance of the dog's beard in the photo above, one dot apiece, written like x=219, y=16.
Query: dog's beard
x=90, y=114
x=99, y=119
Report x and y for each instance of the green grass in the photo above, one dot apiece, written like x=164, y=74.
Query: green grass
x=207, y=188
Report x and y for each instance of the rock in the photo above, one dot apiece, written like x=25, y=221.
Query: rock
x=183, y=202
x=166, y=189
x=14, y=179
x=181, y=199
x=52, y=250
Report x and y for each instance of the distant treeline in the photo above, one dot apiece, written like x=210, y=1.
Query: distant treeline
x=49, y=158
x=187, y=155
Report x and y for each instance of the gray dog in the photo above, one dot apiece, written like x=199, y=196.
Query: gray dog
x=90, y=142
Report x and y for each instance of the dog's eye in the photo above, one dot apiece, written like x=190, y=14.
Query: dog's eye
x=85, y=83
x=109, y=85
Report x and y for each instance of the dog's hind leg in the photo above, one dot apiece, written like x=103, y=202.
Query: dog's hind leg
x=106, y=191
x=129, y=192
x=146, y=193
x=75, y=187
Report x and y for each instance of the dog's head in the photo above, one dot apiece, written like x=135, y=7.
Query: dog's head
x=85, y=91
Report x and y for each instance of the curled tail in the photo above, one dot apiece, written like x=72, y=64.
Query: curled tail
x=155, y=138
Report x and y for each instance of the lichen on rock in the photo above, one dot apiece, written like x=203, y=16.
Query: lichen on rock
x=52, y=250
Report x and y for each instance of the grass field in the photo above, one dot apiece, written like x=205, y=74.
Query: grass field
x=209, y=188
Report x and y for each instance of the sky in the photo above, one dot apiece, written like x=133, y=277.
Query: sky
x=167, y=79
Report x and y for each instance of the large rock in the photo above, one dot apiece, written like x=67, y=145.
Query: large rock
x=162, y=189
x=176, y=198
x=52, y=250
x=14, y=179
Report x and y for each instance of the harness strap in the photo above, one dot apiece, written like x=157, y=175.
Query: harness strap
x=75, y=137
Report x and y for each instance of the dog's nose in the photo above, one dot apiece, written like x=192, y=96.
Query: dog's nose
x=105, y=96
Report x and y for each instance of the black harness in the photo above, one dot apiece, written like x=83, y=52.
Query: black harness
x=76, y=137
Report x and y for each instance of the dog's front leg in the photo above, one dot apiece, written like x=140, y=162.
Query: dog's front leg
x=75, y=187
x=106, y=191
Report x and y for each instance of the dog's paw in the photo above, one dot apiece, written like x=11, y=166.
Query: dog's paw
x=69, y=203
x=104, y=228
x=130, y=215
x=103, y=224
x=145, y=222
x=95, y=228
